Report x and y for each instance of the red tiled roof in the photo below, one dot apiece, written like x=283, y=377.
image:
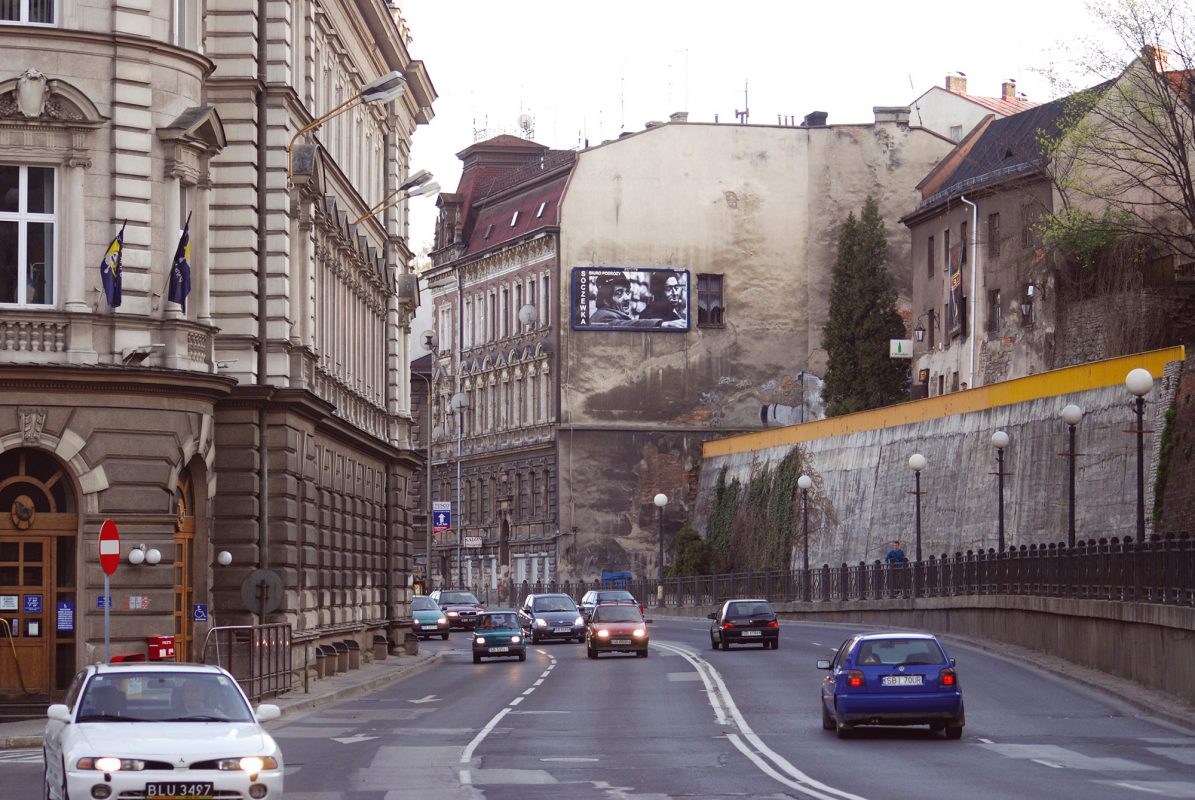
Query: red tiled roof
x=1005, y=108
x=492, y=224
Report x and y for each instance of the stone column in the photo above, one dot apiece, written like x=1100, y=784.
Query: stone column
x=201, y=286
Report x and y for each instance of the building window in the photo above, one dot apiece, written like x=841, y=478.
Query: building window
x=994, y=319
x=540, y=211
x=710, y=305
x=1028, y=218
x=931, y=325
x=929, y=258
x=514, y=219
x=956, y=132
x=26, y=234
x=993, y=235
x=29, y=12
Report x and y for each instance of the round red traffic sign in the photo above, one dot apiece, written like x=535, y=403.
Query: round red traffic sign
x=109, y=547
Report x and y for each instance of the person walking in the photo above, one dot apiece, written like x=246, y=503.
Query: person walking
x=895, y=555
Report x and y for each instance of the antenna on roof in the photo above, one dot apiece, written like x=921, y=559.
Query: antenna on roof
x=527, y=126
x=745, y=114
x=916, y=107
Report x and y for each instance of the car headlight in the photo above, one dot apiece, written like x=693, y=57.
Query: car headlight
x=454, y=613
x=603, y=634
x=540, y=622
x=110, y=764
x=441, y=620
x=578, y=621
x=479, y=640
x=516, y=639
x=247, y=764
x=638, y=633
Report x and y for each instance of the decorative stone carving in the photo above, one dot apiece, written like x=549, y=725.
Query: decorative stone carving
x=33, y=420
x=32, y=93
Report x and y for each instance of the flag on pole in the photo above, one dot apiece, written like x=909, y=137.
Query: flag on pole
x=110, y=268
x=180, y=269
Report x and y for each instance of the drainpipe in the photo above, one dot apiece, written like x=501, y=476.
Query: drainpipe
x=974, y=288
x=263, y=513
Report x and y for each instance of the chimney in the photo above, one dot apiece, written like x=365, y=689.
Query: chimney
x=956, y=83
x=1008, y=90
x=1156, y=57
x=896, y=114
x=815, y=119
x=679, y=116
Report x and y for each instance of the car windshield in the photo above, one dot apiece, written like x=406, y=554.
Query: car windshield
x=748, y=609
x=496, y=621
x=458, y=597
x=423, y=604
x=899, y=651
x=617, y=614
x=606, y=597
x=554, y=604
x=162, y=697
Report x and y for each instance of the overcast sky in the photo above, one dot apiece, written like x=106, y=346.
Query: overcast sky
x=587, y=71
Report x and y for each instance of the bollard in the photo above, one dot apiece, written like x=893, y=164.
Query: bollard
x=411, y=644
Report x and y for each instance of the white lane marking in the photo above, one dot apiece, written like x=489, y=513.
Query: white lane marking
x=360, y=737
x=21, y=757
x=427, y=698
x=516, y=701
x=538, y=682
x=1170, y=789
x=727, y=713
x=545, y=674
x=466, y=778
x=529, y=691
x=569, y=759
x=1045, y=763
x=467, y=755
x=985, y=741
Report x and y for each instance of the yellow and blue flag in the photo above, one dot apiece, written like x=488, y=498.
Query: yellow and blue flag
x=180, y=269
x=110, y=268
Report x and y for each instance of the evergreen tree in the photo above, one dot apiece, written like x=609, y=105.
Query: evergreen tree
x=862, y=318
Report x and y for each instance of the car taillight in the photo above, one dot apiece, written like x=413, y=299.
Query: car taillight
x=854, y=678
x=774, y=623
x=947, y=678
x=727, y=626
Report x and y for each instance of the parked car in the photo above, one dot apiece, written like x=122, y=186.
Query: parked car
x=429, y=619
x=616, y=628
x=552, y=616
x=892, y=679
x=744, y=621
x=596, y=597
x=498, y=634
x=461, y=607
x=163, y=730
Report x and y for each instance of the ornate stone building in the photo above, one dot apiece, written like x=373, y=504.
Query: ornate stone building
x=267, y=416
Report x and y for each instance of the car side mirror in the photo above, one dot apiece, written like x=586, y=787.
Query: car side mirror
x=268, y=711
x=711, y=615
x=59, y=712
x=823, y=663
x=952, y=662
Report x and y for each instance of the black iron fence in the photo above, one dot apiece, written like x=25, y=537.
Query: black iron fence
x=258, y=656
x=1160, y=570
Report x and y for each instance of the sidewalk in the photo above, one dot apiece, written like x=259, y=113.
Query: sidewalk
x=27, y=734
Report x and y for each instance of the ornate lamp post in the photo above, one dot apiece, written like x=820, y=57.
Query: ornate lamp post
x=459, y=405
x=1139, y=382
x=917, y=463
x=1000, y=441
x=1071, y=415
x=660, y=500
x=804, y=483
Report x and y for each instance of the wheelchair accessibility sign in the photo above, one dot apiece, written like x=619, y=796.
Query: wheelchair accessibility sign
x=199, y=612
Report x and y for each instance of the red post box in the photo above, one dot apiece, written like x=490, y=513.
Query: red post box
x=161, y=648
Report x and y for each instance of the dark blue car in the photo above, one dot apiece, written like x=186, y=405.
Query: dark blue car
x=892, y=679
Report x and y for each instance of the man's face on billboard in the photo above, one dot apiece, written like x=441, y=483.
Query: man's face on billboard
x=621, y=298
x=675, y=291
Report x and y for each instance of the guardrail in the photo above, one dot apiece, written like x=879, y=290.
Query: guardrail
x=1161, y=570
x=258, y=656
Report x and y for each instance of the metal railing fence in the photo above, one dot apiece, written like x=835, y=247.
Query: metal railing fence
x=1160, y=570
x=258, y=656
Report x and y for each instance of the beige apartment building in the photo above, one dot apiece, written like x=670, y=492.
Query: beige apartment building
x=263, y=422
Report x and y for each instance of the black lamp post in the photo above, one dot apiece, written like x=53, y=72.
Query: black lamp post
x=805, y=482
x=1000, y=441
x=1139, y=382
x=917, y=463
x=661, y=500
x=1071, y=415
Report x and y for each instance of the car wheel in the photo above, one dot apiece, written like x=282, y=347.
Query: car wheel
x=523, y=656
x=841, y=730
x=444, y=636
x=725, y=644
x=476, y=658
x=642, y=654
x=534, y=638
x=827, y=720
x=713, y=642
x=954, y=731
x=775, y=644
x=589, y=651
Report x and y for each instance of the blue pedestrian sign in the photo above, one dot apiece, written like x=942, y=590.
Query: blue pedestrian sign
x=199, y=612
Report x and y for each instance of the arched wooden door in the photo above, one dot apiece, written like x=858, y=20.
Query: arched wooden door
x=184, y=568
x=37, y=577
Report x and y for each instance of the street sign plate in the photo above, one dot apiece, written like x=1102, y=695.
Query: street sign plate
x=262, y=591
x=900, y=348
x=441, y=520
x=109, y=547
x=473, y=541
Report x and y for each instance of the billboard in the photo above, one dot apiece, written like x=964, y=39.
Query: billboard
x=630, y=299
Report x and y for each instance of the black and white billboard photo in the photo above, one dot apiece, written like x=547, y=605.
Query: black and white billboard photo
x=626, y=299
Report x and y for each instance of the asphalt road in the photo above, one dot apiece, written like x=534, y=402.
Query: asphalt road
x=693, y=722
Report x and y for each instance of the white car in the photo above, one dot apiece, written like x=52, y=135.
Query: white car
x=159, y=731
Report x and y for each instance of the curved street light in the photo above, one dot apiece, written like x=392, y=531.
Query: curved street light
x=660, y=500
x=804, y=483
x=1139, y=382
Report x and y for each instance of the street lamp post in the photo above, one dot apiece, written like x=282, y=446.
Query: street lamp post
x=1071, y=415
x=660, y=500
x=917, y=463
x=459, y=404
x=1000, y=441
x=1139, y=382
x=380, y=90
x=804, y=483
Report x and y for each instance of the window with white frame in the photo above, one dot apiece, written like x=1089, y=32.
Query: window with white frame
x=27, y=12
x=27, y=221
x=186, y=24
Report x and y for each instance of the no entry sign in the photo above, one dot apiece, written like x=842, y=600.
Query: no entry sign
x=109, y=547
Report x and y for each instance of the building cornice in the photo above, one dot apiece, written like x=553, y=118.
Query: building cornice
x=103, y=40
x=87, y=380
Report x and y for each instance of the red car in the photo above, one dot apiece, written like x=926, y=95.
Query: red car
x=461, y=607
x=616, y=628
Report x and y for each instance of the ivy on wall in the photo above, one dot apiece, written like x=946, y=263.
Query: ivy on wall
x=757, y=528
x=720, y=527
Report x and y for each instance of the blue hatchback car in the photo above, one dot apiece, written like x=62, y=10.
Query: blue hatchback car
x=892, y=679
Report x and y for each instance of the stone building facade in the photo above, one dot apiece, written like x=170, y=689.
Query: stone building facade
x=268, y=415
